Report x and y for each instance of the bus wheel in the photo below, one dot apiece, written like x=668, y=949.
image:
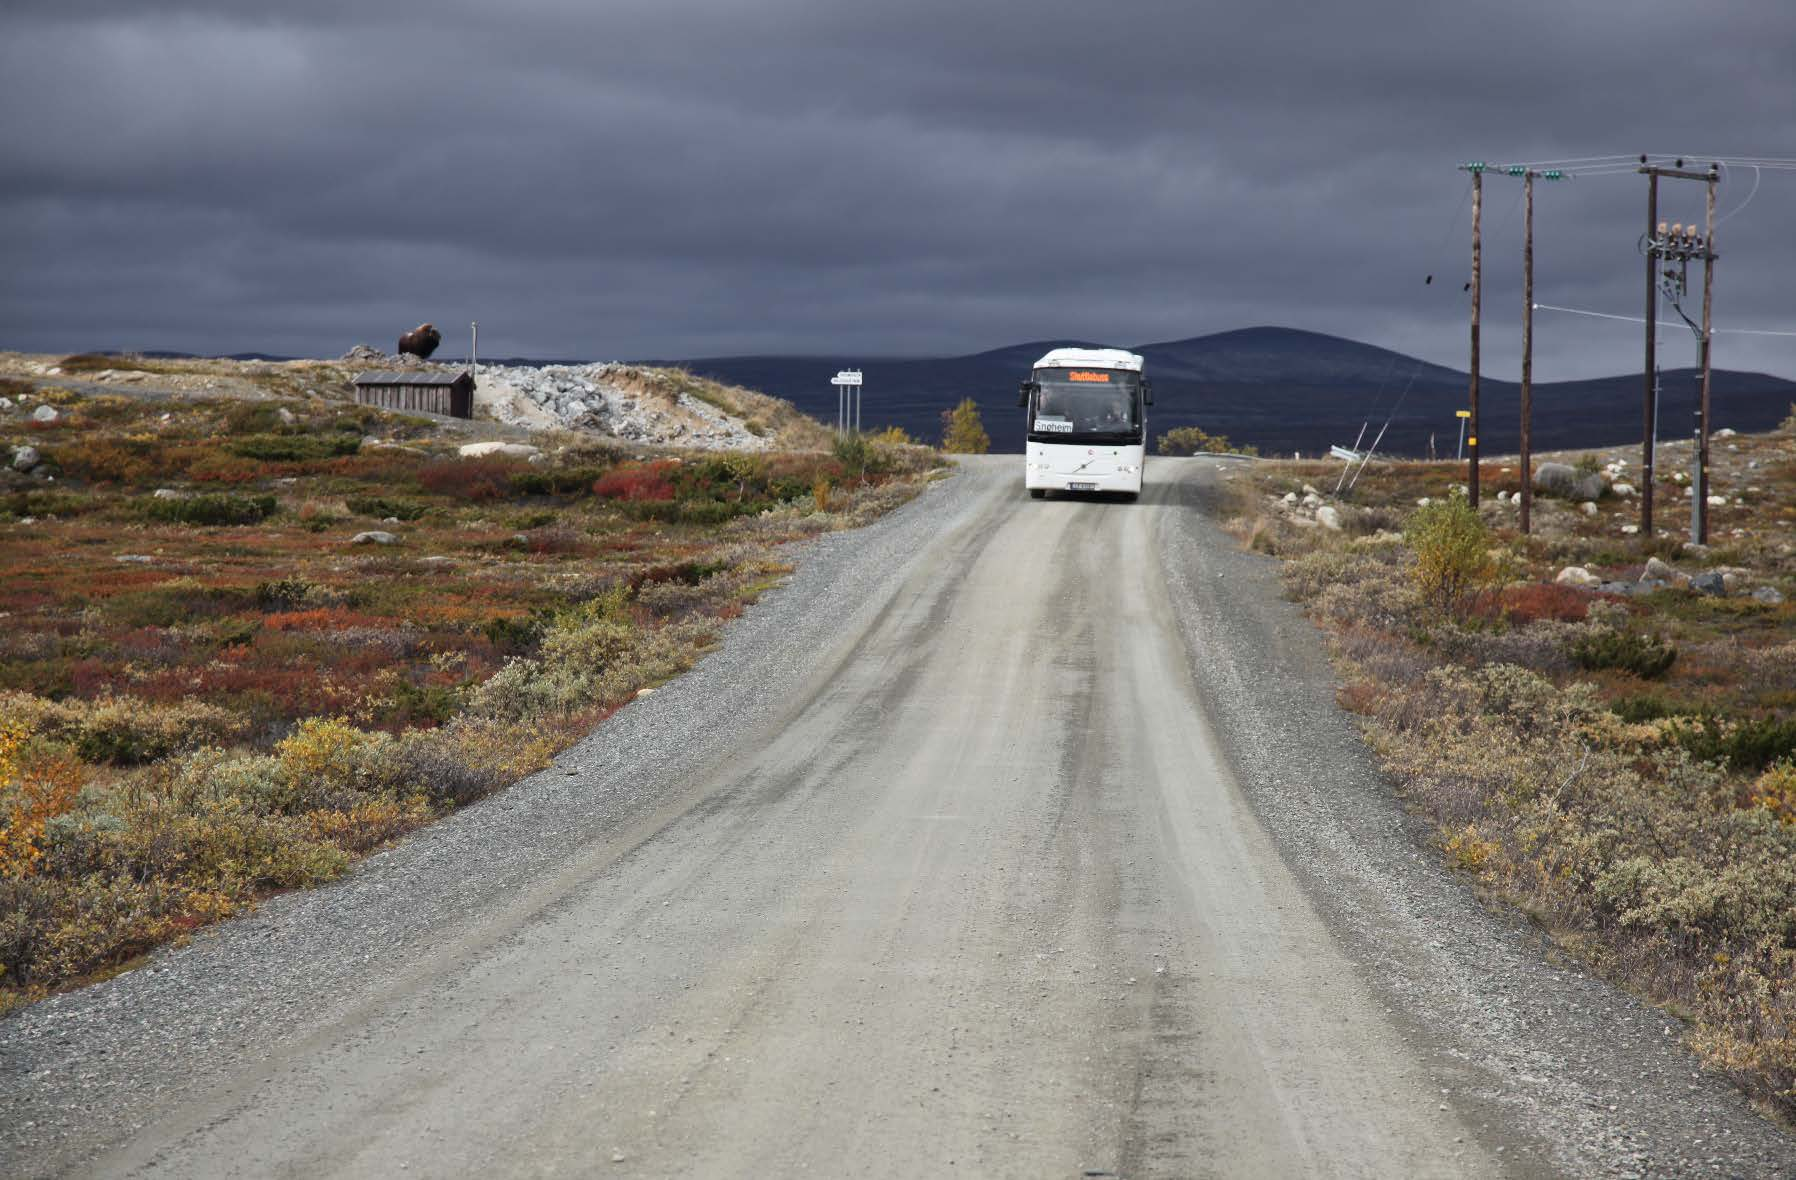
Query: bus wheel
x=1038, y=493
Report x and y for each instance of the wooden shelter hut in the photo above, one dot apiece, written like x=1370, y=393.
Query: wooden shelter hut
x=418, y=391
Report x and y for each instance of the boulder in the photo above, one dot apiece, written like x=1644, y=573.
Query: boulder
x=1588, y=508
x=1311, y=500
x=1724, y=432
x=1622, y=489
x=286, y=416
x=1577, y=575
x=1717, y=501
x=167, y=494
x=1767, y=595
x=135, y=559
x=1559, y=479
x=1709, y=582
x=374, y=537
x=5, y=405
x=25, y=458
x=1328, y=518
x=45, y=413
x=1289, y=499
x=1658, y=571
x=510, y=450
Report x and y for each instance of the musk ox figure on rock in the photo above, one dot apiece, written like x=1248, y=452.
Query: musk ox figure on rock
x=420, y=342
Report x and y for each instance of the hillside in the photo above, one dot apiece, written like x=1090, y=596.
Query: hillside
x=1280, y=389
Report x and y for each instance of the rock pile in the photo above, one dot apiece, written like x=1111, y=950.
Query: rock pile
x=622, y=401
x=366, y=355
x=1309, y=510
x=1656, y=574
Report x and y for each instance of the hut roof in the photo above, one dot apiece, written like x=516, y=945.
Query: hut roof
x=409, y=377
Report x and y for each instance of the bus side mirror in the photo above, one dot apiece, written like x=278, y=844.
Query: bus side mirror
x=1022, y=395
x=1147, y=393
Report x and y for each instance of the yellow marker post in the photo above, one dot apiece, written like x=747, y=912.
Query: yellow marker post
x=1462, y=415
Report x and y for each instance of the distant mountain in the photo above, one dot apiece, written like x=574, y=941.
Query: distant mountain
x=1281, y=389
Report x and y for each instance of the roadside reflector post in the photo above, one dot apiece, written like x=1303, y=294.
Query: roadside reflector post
x=1464, y=416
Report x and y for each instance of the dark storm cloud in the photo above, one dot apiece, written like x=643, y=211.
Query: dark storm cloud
x=679, y=179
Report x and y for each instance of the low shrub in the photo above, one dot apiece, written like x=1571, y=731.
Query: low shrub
x=1453, y=565
x=557, y=481
x=94, y=362
x=112, y=460
x=1191, y=440
x=209, y=509
x=247, y=417
x=1775, y=791
x=1532, y=601
x=381, y=508
x=1646, y=707
x=636, y=481
x=1645, y=656
x=589, y=655
x=853, y=452
x=488, y=477
x=513, y=633
x=283, y=594
x=1749, y=745
x=18, y=505
x=126, y=731
x=295, y=448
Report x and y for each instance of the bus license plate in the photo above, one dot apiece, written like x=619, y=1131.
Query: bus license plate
x=1081, y=487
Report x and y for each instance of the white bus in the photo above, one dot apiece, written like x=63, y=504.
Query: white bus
x=1087, y=422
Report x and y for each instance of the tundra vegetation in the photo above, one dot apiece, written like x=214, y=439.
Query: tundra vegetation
x=245, y=642
x=1610, y=749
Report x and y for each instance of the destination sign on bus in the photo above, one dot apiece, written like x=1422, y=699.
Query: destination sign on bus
x=1081, y=375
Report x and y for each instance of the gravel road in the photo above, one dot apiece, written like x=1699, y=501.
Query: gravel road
x=1009, y=838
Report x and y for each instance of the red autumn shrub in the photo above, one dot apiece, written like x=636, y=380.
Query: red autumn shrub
x=485, y=478
x=637, y=481
x=1545, y=600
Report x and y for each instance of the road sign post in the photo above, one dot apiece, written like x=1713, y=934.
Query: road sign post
x=848, y=400
x=1459, y=451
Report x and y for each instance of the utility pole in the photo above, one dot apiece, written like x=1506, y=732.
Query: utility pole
x=1528, y=176
x=1527, y=460
x=1652, y=339
x=1476, y=168
x=1708, y=302
x=1681, y=247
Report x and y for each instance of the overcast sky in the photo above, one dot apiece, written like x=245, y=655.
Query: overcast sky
x=642, y=178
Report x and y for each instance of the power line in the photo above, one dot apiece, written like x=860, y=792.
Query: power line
x=1634, y=319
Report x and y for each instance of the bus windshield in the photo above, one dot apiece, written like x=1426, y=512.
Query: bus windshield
x=1086, y=402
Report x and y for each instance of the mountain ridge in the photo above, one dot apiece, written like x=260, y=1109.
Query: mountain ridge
x=1279, y=388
